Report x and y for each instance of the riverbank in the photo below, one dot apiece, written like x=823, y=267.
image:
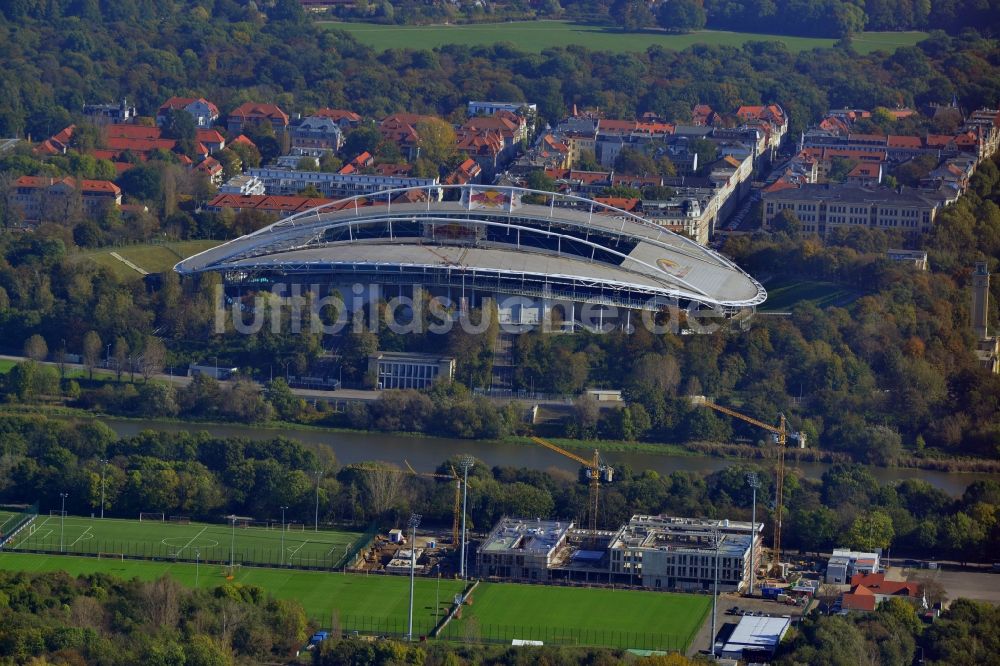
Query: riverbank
x=718, y=450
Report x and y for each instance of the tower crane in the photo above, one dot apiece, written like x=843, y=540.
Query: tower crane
x=596, y=468
x=781, y=434
x=457, y=511
x=452, y=477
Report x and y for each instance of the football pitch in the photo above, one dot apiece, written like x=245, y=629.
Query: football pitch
x=369, y=604
x=582, y=616
x=499, y=612
x=186, y=541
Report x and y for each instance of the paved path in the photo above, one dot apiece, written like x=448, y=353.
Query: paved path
x=128, y=263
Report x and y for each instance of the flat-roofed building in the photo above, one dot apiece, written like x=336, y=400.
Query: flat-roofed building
x=755, y=638
x=916, y=257
x=821, y=208
x=843, y=564
x=399, y=370
x=664, y=552
x=522, y=549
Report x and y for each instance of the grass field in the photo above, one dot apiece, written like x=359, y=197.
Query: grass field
x=782, y=295
x=5, y=366
x=169, y=540
x=583, y=616
x=536, y=36
x=378, y=602
x=151, y=257
x=7, y=519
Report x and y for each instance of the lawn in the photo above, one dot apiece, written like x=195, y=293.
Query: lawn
x=151, y=257
x=171, y=540
x=376, y=604
x=582, y=616
x=5, y=366
x=783, y=295
x=536, y=36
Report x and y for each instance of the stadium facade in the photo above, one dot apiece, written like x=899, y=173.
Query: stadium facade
x=525, y=249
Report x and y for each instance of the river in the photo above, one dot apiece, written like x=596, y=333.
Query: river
x=426, y=453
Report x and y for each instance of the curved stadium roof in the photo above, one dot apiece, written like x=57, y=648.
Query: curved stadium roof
x=564, y=247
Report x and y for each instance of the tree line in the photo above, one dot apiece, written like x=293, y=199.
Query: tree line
x=206, y=477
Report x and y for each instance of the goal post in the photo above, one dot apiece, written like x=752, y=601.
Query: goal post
x=151, y=515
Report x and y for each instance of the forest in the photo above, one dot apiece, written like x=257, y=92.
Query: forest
x=208, y=477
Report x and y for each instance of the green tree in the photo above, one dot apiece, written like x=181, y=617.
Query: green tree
x=681, y=15
x=437, y=141
x=871, y=530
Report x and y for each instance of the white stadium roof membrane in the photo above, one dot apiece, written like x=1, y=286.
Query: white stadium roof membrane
x=574, y=247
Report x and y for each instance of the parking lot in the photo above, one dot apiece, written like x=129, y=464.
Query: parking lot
x=980, y=586
x=729, y=601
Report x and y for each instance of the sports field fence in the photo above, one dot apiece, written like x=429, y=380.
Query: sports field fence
x=18, y=517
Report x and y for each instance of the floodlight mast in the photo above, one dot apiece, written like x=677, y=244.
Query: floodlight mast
x=754, y=484
x=466, y=464
x=414, y=521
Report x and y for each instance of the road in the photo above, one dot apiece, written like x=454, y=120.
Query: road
x=339, y=395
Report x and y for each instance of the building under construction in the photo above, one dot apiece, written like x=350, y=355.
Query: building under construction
x=658, y=552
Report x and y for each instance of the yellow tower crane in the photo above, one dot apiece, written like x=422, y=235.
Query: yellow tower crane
x=782, y=435
x=595, y=470
x=457, y=511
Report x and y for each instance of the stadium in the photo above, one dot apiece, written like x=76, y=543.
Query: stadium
x=525, y=249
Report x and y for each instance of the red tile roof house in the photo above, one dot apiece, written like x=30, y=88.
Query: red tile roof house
x=252, y=113
x=204, y=112
x=868, y=590
x=400, y=128
x=466, y=172
x=346, y=119
x=52, y=198
x=211, y=168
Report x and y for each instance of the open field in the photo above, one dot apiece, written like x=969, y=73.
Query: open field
x=782, y=295
x=536, y=36
x=379, y=602
x=151, y=257
x=169, y=540
x=582, y=616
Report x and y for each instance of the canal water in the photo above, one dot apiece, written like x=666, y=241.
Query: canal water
x=426, y=453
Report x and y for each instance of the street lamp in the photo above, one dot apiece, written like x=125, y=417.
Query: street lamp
x=283, y=534
x=466, y=464
x=197, y=566
x=754, y=483
x=414, y=521
x=104, y=466
x=319, y=475
x=62, y=522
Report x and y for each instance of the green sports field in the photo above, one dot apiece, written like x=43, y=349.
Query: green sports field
x=151, y=257
x=176, y=541
x=783, y=295
x=372, y=604
x=582, y=616
x=536, y=36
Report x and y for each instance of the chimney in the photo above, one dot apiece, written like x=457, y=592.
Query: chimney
x=980, y=300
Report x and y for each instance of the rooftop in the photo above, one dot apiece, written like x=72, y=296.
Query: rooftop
x=755, y=632
x=671, y=533
x=635, y=259
x=538, y=537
